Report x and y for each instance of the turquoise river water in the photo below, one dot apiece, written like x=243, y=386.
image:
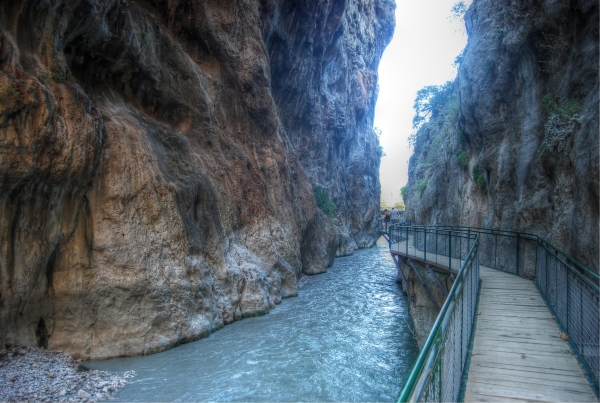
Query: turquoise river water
x=346, y=337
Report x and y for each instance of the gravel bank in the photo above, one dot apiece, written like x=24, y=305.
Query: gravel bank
x=36, y=375
x=303, y=280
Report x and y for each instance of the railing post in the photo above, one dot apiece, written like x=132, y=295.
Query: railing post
x=425, y=244
x=581, y=319
x=436, y=243
x=495, y=250
x=568, y=304
x=450, y=251
x=546, y=270
x=555, y=283
x=536, y=254
x=518, y=239
x=460, y=239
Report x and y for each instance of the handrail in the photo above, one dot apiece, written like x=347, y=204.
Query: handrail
x=577, y=273
x=423, y=367
x=570, y=289
x=401, y=221
x=479, y=229
x=568, y=258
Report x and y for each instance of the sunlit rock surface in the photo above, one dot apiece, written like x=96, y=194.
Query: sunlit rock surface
x=157, y=162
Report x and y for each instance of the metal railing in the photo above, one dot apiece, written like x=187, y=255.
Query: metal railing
x=438, y=370
x=571, y=290
x=573, y=295
x=513, y=252
x=401, y=222
x=443, y=247
x=381, y=225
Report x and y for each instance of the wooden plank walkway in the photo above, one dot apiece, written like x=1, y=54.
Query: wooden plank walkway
x=518, y=354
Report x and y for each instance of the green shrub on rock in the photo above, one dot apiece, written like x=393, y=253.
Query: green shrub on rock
x=479, y=178
x=422, y=185
x=326, y=205
x=462, y=157
x=404, y=191
x=563, y=118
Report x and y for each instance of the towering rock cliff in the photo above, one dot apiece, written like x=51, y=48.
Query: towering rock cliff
x=158, y=162
x=513, y=142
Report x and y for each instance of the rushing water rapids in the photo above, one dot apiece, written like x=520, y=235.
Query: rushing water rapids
x=346, y=337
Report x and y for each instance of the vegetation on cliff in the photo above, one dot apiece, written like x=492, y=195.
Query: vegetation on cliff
x=515, y=145
x=326, y=205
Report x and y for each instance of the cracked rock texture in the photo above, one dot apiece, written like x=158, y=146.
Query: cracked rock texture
x=423, y=312
x=158, y=158
x=525, y=116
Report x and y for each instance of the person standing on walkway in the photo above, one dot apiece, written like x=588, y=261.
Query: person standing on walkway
x=386, y=218
x=395, y=216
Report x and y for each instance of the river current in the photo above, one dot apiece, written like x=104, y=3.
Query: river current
x=346, y=337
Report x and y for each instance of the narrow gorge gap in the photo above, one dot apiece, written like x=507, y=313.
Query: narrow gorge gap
x=230, y=157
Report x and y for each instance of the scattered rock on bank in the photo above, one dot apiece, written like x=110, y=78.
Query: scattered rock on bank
x=32, y=374
x=303, y=280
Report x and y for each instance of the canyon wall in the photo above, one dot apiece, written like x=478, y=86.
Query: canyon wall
x=159, y=161
x=514, y=143
x=423, y=311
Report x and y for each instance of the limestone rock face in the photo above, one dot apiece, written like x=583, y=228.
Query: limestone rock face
x=516, y=145
x=423, y=312
x=158, y=159
x=325, y=87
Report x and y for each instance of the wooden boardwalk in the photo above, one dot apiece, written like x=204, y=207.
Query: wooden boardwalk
x=518, y=354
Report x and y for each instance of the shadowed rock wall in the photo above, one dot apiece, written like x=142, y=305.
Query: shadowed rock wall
x=158, y=159
x=423, y=312
x=515, y=147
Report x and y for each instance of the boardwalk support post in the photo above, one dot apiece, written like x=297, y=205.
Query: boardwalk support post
x=403, y=281
x=437, y=280
x=424, y=285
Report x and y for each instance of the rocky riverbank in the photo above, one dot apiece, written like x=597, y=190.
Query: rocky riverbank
x=37, y=375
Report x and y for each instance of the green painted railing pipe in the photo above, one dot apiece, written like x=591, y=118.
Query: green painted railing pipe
x=417, y=368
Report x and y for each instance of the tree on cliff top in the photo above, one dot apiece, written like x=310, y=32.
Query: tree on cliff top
x=429, y=102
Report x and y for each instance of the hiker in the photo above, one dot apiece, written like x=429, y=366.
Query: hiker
x=386, y=218
x=395, y=215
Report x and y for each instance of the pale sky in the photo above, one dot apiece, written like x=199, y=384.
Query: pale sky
x=424, y=46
